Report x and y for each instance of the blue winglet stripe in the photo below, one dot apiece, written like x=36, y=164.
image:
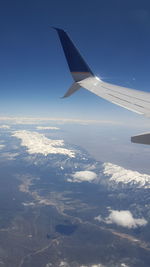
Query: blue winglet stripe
x=75, y=61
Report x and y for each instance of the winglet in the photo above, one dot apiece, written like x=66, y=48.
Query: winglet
x=74, y=87
x=78, y=67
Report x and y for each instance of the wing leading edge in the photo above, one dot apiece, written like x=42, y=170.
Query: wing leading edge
x=131, y=99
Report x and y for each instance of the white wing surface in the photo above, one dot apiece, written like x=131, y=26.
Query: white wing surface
x=134, y=100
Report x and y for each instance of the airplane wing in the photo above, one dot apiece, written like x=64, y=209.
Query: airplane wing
x=131, y=99
x=134, y=100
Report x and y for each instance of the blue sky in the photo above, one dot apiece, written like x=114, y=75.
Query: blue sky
x=113, y=37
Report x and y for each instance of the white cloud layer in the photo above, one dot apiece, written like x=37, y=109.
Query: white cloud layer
x=93, y=265
x=37, y=120
x=82, y=176
x=119, y=174
x=46, y=128
x=124, y=265
x=9, y=155
x=4, y=126
x=65, y=264
x=38, y=143
x=123, y=218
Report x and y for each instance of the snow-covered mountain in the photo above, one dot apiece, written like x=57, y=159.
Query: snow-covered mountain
x=117, y=175
x=110, y=175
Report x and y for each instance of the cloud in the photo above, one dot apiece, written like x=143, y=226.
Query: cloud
x=93, y=265
x=123, y=218
x=38, y=143
x=120, y=175
x=124, y=265
x=37, y=120
x=4, y=126
x=99, y=218
x=26, y=183
x=65, y=264
x=8, y=156
x=47, y=128
x=2, y=146
x=82, y=176
x=28, y=204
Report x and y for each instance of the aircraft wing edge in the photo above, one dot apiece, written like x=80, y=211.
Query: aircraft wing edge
x=141, y=139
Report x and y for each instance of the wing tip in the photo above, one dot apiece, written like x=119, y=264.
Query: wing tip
x=57, y=29
x=62, y=97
